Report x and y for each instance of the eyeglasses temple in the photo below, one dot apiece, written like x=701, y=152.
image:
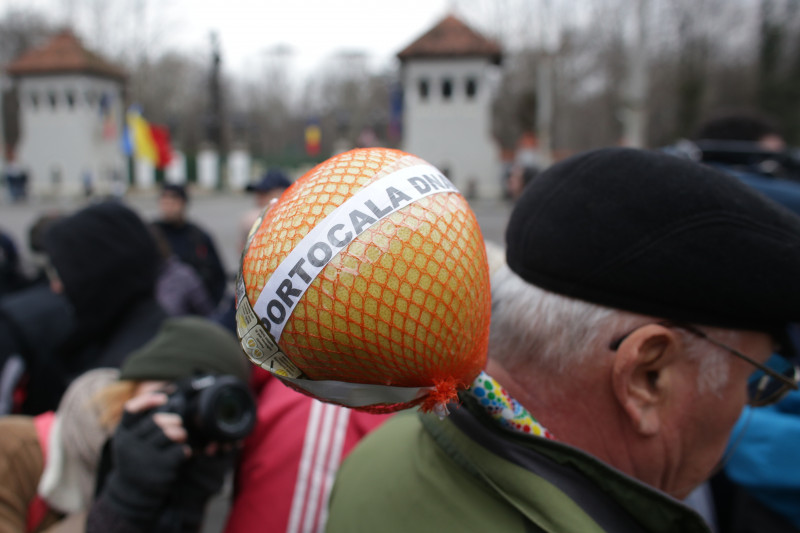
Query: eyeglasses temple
x=763, y=368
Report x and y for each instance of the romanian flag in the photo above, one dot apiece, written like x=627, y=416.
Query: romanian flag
x=160, y=135
x=313, y=138
x=147, y=141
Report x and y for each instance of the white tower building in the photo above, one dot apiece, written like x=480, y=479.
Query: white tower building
x=70, y=118
x=447, y=99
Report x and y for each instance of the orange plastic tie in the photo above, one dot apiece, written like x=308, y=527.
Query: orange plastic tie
x=444, y=391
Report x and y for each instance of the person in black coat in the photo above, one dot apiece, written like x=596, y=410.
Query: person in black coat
x=193, y=245
x=104, y=260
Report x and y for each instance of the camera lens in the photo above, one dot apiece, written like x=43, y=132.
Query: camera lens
x=229, y=409
x=226, y=410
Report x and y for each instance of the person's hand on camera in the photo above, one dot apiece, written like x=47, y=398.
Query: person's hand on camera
x=157, y=481
x=148, y=450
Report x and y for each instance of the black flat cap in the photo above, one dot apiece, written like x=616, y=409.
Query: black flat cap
x=176, y=189
x=653, y=234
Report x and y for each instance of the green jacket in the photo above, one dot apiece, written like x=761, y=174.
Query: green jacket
x=466, y=473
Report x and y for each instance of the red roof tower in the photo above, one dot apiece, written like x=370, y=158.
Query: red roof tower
x=64, y=53
x=452, y=38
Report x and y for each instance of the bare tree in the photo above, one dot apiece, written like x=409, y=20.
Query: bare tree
x=264, y=109
x=20, y=30
x=778, y=80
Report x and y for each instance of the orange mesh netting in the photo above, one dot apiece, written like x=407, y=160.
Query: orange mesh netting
x=406, y=303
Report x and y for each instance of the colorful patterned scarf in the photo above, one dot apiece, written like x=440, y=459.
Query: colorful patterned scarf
x=504, y=409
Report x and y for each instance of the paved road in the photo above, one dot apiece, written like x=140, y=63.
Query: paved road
x=219, y=213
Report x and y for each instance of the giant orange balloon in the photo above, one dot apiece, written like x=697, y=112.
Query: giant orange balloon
x=367, y=284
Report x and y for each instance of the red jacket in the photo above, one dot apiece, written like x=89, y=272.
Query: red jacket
x=289, y=461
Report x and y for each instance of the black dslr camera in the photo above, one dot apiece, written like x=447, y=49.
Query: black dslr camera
x=213, y=408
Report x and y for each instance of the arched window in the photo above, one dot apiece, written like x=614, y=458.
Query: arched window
x=424, y=88
x=447, y=88
x=471, y=87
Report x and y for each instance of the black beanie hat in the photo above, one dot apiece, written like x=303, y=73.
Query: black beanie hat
x=186, y=346
x=654, y=234
x=107, y=259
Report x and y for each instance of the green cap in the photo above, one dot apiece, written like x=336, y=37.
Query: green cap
x=186, y=346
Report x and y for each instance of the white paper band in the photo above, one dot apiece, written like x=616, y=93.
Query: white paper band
x=368, y=206
x=359, y=394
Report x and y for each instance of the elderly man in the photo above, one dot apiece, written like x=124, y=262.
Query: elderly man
x=638, y=313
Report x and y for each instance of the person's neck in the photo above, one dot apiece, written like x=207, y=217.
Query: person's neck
x=574, y=409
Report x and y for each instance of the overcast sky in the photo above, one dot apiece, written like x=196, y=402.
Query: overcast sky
x=249, y=29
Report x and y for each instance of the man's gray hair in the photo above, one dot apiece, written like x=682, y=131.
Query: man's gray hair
x=539, y=329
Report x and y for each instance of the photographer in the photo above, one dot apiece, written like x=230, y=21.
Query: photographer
x=173, y=446
x=160, y=468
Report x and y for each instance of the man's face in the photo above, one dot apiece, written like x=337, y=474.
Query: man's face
x=704, y=419
x=171, y=206
x=773, y=143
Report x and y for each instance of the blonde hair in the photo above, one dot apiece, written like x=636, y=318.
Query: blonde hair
x=110, y=402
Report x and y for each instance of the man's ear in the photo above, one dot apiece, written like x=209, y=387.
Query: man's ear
x=639, y=375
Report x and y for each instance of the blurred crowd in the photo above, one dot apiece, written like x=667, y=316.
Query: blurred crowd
x=113, y=347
